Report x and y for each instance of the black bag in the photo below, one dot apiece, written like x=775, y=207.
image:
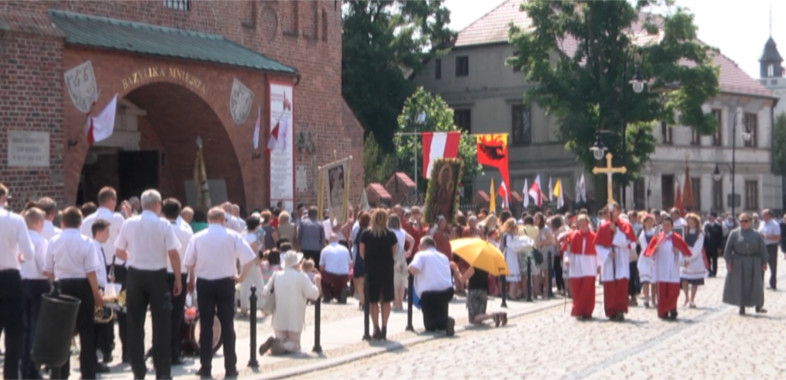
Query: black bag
x=538, y=255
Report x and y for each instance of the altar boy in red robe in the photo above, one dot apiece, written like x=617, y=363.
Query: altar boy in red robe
x=666, y=248
x=580, y=258
x=613, y=245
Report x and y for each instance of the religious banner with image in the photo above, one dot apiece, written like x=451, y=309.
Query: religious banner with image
x=334, y=187
x=81, y=83
x=240, y=101
x=281, y=149
x=443, y=192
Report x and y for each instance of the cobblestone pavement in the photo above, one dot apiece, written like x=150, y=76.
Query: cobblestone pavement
x=709, y=341
x=540, y=341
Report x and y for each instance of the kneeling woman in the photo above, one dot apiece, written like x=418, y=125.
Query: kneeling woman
x=477, y=281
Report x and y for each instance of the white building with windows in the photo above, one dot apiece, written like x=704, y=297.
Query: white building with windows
x=487, y=97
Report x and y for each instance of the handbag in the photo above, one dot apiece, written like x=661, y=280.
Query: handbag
x=267, y=303
x=538, y=256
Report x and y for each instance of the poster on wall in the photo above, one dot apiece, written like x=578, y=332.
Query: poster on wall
x=281, y=146
x=81, y=83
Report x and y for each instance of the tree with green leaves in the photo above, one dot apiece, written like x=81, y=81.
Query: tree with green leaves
x=383, y=42
x=580, y=57
x=424, y=112
x=377, y=165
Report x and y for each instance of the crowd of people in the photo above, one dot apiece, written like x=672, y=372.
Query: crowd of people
x=158, y=251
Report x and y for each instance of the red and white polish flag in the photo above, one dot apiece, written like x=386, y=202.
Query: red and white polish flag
x=438, y=145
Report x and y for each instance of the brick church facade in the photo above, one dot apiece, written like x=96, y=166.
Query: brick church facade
x=167, y=98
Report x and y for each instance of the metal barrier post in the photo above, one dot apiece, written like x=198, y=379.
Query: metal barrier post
x=317, y=317
x=504, y=291
x=550, y=292
x=529, y=278
x=366, y=306
x=252, y=362
x=410, y=292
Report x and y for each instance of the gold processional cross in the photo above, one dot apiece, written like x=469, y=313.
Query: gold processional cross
x=609, y=171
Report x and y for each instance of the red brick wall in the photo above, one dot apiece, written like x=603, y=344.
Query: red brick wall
x=304, y=34
x=30, y=99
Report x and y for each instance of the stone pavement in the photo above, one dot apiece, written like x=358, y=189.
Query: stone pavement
x=709, y=341
x=540, y=341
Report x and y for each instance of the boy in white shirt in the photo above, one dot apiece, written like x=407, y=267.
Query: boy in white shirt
x=34, y=284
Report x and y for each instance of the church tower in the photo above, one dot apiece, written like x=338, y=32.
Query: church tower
x=770, y=61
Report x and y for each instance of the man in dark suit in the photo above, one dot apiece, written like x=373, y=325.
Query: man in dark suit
x=713, y=244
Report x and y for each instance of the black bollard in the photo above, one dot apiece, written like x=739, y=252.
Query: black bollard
x=549, y=262
x=529, y=278
x=252, y=320
x=504, y=291
x=410, y=292
x=366, y=334
x=317, y=317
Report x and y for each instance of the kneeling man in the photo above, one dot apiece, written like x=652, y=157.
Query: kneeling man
x=434, y=286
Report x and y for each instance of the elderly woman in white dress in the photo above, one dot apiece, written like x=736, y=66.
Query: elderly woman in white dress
x=693, y=270
x=292, y=288
x=646, y=265
x=254, y=278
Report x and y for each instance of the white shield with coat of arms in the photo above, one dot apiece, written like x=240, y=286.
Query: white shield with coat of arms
x=240, y=101
x=81, y=83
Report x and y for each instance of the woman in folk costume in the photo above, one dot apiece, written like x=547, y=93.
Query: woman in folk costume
x=580, y=257
x=746, y=261
x=646, y=265
x=693, y=271
x=613, y=245
x=666, y=249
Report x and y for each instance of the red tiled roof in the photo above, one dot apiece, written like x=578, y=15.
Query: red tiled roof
x=404, y=178
x=733, y=79
x=493, y=28
x=380, y=190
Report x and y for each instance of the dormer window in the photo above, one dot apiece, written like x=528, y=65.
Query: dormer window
x=770, y=70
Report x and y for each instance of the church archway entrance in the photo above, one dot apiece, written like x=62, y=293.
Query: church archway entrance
x=154, y=146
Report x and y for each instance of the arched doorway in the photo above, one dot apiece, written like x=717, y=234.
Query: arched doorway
x=154, y=146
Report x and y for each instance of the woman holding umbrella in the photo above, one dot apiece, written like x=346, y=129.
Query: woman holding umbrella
x=484, y=259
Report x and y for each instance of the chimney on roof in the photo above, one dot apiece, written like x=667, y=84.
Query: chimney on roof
x=770, y=61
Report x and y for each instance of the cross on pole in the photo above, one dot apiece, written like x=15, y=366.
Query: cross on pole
x=609, y=171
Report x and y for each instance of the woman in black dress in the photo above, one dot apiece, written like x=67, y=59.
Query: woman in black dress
x=377, y=247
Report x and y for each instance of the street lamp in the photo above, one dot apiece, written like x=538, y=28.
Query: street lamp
x=598, y=149
x=716, y=175
x=637, y=82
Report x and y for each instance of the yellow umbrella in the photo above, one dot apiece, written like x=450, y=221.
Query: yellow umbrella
x=480, y=254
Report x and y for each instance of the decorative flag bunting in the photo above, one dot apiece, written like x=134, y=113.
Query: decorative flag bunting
x=525, y=194
x=503, y=193
x=438, y=145
x=581, y=190
x=102, y=126
x=678, y=202
x=558, y=193
x=493, y=151
x=492, y=198
x=536, y=193
x=687, y=193
x=255, y=139
x=551, y=190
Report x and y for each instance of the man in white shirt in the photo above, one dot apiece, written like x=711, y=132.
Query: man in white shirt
x=49, y=207
x=72, y=261
x=771, y=231
x=34, y=284
x=334, y=263
x=211, y=259
x=144, y=242
x=107, y=202
x=104, y=332
x=171, y=211
x=14, y=239
x=434, y=286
